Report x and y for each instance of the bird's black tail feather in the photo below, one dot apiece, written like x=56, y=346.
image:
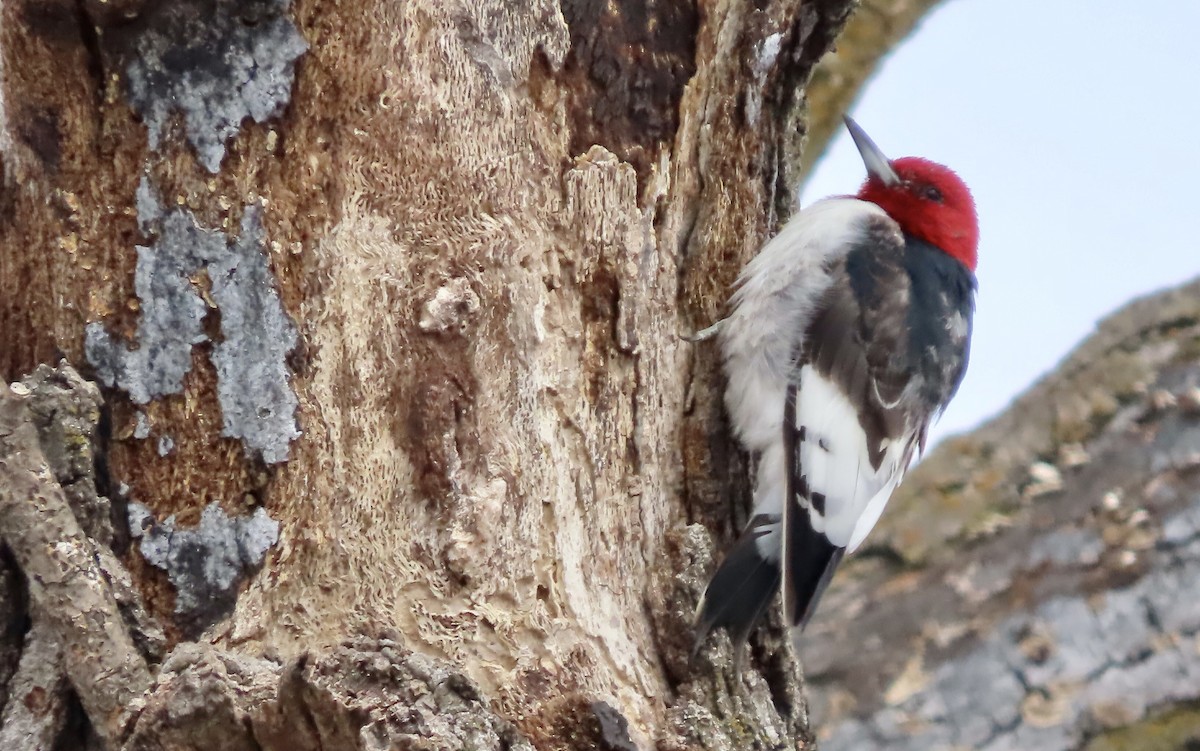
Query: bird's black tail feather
x=810, y=562
x=809, y=558
x=741, y=589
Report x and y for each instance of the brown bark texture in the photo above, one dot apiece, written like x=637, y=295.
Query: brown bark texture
x=397, y=442
x=400, y=444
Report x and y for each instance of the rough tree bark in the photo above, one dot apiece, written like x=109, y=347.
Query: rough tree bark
x=399, y=440
x=400, y=446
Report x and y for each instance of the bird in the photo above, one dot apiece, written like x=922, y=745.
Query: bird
x=848, y=335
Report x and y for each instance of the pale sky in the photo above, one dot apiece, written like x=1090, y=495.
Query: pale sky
x=1077, y=126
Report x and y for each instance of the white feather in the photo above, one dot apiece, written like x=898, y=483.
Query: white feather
x=874, y=509
x=835, y=459
x=777, y=295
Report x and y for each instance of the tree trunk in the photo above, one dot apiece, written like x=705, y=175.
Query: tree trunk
x=400, y=441
x=399, y=445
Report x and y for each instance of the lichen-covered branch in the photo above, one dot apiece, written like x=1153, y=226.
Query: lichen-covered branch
x=36, y=709
x=71, y=594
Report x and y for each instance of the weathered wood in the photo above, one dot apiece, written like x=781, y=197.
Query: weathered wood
x=36, y=710
x=73, y=599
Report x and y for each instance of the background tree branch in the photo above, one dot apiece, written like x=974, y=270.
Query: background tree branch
x=1029, y=587
x=876, y=28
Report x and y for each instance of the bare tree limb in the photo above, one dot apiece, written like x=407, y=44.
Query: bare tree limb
x=36, y=709
x=64, y=579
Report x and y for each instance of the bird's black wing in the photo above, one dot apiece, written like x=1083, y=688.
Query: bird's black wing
x=879, y=361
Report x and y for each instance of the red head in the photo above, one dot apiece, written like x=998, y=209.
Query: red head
x=927, y=200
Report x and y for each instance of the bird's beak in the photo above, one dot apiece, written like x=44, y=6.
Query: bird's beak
x=878, y=165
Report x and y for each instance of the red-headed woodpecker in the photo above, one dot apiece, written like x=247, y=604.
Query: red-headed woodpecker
x=848, y=336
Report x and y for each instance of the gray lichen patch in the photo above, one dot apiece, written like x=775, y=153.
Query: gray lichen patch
x=216, y=63
x=149, y=207
x=205, y=564
x=257, y=403
x=171, y=312
x=1099, y=662
x=142, y=427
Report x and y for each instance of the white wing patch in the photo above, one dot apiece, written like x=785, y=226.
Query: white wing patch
x=836, y=464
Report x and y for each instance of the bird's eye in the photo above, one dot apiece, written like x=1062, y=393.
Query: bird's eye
x=931, y=193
